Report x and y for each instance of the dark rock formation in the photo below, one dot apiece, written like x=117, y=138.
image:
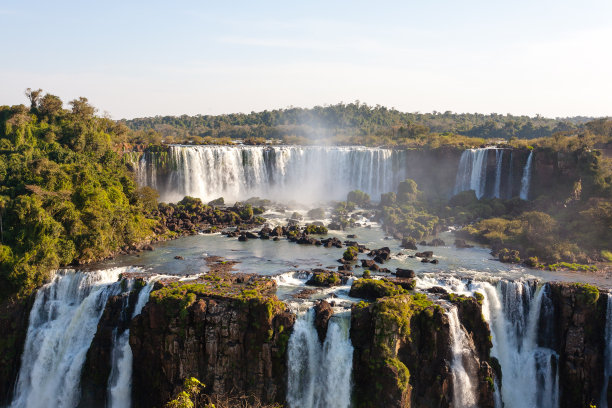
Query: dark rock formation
x=14, y=315
x=409, y=243
x=424, y=254
x=460, y=243
x=402, y=354
x=404, y=273
x=233, y=339
x=577, y=333
x=380, y=255
x=96, y=370
x=323, y=312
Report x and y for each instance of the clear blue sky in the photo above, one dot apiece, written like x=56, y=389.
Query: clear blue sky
x=155, y=58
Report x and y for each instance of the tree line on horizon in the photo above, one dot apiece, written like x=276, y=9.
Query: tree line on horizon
x=346, y=123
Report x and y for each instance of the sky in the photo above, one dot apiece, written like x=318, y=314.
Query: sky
x=146, y=58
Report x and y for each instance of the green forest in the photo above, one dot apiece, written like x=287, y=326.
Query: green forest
x=66, y=196
x=349, y=123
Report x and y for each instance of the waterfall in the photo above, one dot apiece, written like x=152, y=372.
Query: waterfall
x=499, y=158
x=464, y=389
x=515, y=315
x=119, y=388
x=305, y=173
x=608, y=355
x=472, y=172
x=62, y=324
x=526, y=179
x=320, y=376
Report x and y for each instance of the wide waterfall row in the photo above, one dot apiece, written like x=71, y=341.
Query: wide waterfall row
x=320, y=375
x=493, y=176
x=305, y=174
x=62, y=325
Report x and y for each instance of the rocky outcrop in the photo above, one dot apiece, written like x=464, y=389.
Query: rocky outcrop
x=14, y=316
x=323, y=312
x=577, y=333
x=402, y=353
x=227, y=330
x=97, y=368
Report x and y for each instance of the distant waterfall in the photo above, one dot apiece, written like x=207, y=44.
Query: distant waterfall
x=491, y=179
x=62, y=324
x=120, y=379
x=473, y=173
x=320, y=376
x=464, y=376
x=472, y=167
x=526, y=179
x=304, y=173
x=608, y=355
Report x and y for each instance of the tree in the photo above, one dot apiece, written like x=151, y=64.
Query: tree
x=33, y=96
x=82, y=108
x=50, y=106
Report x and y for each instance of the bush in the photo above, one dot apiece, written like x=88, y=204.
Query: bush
x=358, y=197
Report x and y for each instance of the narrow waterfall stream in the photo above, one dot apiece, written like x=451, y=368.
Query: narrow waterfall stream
x=120, y=379
x=526, y=179
x=463, y=374
x=62, y=324
x=320, y=375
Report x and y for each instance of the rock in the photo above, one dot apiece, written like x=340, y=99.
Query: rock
x=276, y=239
x=434, y=261
x=323, y=312
x=345, y=268
x=436, y=242
x=231, y=345
x=424, y=254
x=324, y=279
x=460, y=243
x=351, y=236
x=423, y=243
x=251, y=235
x=404, y=273
x=438, y=290
x=179, y=257
x=242, y=238
x=147, y=247
x=381, y=255
x=424, y=260
x=409, y=243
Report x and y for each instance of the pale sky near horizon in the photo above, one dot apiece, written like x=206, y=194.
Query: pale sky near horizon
x=145, y=58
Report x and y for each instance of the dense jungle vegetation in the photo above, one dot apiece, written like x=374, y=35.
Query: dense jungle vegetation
x=355, y=123
x=65, y=195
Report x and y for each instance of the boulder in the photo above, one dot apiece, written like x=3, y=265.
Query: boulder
x=404, y=273
x=323, y=312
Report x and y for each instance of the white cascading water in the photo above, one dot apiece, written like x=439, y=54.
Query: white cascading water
x=464, y=388
x=499, y=159
x=304, y=173
x=530, y=378
x=120, y=379
x=472, y=172
x=62, y=324
x=517, y=313
x=526, y=179
x=320, y=376
x=603, y=403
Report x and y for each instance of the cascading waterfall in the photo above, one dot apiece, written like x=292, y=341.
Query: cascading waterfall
x=526, y=179
x=463, y=374
x=306, y=173
x=520, y=317
x=320, y=376
x=120, y=380
x=62, y=324
x=515, y=315
x=472, y=173
x=603, y=403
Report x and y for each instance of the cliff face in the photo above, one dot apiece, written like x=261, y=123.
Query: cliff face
x=577, y=333
x=14, y=316
x=402, y=353
x=97, y=368
x=233, y=340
